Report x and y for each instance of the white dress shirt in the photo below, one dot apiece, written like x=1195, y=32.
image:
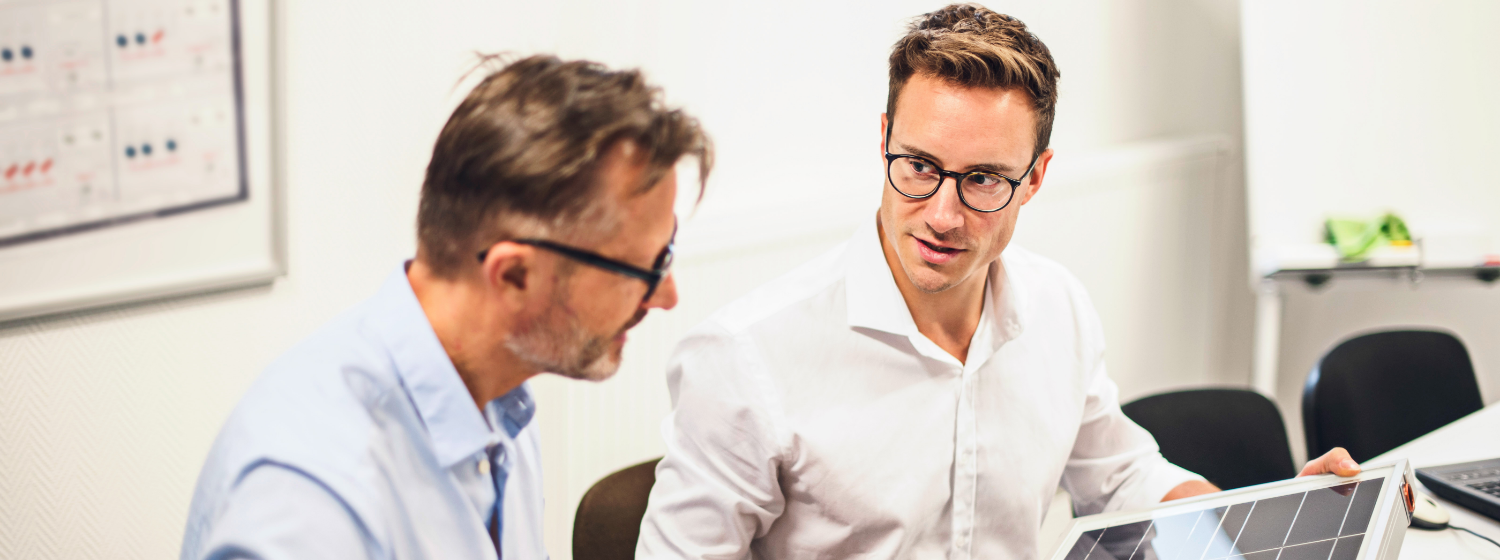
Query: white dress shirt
x=812, y=420
x=362, y=442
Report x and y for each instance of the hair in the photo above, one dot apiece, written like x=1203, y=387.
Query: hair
x=973, y=46
x=519, y=154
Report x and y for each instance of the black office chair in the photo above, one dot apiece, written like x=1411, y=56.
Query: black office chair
x=1232, y=437
x=1375, y=392
x=608, y=521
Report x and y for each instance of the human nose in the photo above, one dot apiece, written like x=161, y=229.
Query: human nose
x=944, y=211
x=665, y=296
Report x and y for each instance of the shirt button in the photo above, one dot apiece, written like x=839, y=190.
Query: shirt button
x=484, y=466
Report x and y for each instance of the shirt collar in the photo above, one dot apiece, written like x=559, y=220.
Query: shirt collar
x=456, y=427
x=1007, y=298
x=871, y=295
x=874, y=302
x=514, y=410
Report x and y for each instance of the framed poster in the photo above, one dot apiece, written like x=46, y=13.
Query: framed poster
x=137, y=151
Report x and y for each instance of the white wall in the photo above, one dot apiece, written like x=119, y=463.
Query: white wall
x=107, y=415
x=1352, y=108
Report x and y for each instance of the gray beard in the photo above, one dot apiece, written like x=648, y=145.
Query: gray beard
x=557, y=343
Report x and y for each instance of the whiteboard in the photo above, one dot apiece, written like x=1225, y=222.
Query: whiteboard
x=136, y=151
x=1353, y=108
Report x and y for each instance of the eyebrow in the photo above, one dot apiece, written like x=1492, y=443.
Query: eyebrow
x=1000, y=168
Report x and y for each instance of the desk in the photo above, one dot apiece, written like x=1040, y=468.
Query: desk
x=1471, y=438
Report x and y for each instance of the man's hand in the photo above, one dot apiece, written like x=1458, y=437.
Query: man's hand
x=1336, y=461
x=1189, y=489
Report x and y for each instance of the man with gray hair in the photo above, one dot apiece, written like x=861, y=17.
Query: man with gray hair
x=403, y=428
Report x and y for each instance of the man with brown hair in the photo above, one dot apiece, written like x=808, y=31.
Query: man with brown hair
x=403, y=429
x=921, y=391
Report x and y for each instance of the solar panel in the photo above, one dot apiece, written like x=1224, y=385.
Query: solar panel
x=1311, y=518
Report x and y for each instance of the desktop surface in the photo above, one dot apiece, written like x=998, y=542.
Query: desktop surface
x=1471, y=438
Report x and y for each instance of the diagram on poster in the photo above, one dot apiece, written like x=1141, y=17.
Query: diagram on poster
x=114, y=111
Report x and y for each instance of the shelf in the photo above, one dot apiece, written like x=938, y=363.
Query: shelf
x=1317, y=277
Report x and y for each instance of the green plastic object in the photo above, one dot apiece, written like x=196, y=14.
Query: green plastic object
x=1355, y=238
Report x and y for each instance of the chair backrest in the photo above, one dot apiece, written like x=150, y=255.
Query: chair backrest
x=608, y=521
x=1232, y=437
x=1374, y=392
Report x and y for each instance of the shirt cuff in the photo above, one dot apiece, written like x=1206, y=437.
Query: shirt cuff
x=1164, y=477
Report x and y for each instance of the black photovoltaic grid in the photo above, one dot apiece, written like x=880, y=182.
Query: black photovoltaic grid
x=1322, y=524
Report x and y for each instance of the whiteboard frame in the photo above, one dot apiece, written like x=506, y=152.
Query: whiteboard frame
x=1332, y=131
x=212, y=249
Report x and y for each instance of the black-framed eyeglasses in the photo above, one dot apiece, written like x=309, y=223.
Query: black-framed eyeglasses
x=652, y=278
x=917, y=177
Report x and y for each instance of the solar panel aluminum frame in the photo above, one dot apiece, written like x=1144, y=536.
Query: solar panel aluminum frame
x=1382, y=539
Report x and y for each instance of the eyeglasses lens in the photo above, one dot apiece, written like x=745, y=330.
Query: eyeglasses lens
x=920, y=178
x=663, y=261
x=914, y=177
x=986, y=192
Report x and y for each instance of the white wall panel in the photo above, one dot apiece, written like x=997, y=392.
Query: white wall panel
x=1135, y=224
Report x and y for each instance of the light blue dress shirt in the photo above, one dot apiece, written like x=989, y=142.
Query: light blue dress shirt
x=362, y=442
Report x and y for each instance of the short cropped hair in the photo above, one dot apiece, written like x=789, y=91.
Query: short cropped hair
x=972, y=46
x=518, y=155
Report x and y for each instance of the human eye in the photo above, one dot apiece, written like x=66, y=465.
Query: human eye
x=663, y=259
x=921, y=167
x=984, y=180
x=987, y=180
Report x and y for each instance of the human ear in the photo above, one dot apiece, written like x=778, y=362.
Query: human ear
x=1034, y=181
x=884, y=122
x=508, y=269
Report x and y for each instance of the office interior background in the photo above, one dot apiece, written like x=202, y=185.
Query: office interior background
x=106, y=414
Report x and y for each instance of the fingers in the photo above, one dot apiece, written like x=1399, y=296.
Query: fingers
x=1336, y=461
x=1189, y=489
